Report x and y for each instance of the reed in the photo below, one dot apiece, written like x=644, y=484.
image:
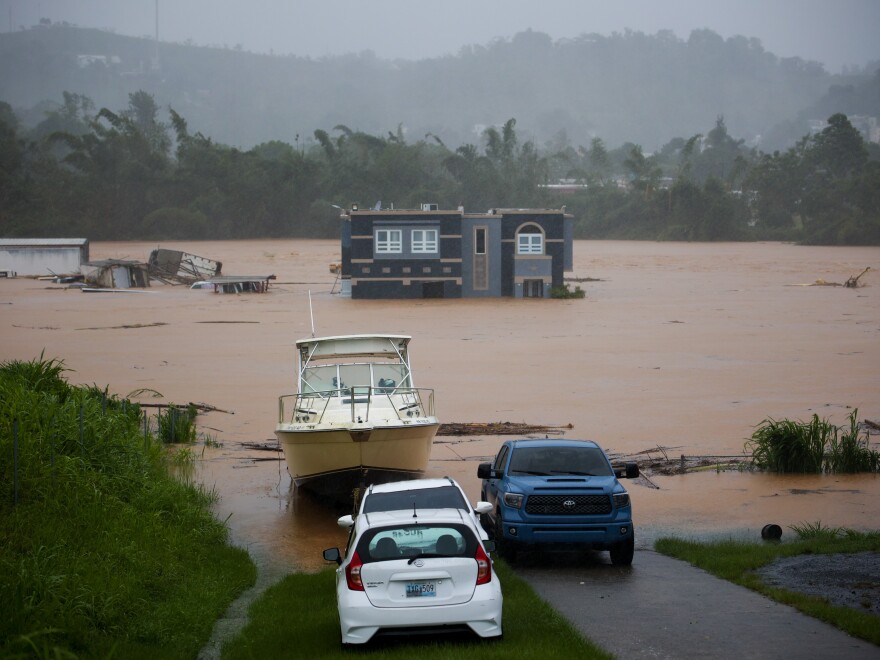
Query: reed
x=177, y=424
x=817, y=446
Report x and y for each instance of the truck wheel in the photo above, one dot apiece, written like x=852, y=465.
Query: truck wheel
x=622, y=553
x=506, y=548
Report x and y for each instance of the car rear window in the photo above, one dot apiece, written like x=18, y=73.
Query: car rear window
x=443, y=497
x=407, y=541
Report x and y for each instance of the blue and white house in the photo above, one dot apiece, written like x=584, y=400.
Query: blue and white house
x=433, y=253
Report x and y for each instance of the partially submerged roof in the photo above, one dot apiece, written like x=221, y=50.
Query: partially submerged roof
x=43, y=242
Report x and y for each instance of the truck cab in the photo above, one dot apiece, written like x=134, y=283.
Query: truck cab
x=556, y=491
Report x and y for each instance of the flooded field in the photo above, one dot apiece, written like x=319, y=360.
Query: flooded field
x=686, y=347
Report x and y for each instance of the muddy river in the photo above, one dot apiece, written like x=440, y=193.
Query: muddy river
x=680, y=348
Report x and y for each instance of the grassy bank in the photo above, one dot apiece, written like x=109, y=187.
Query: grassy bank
x=737, y=562
x=102, y=553
x=300, y=613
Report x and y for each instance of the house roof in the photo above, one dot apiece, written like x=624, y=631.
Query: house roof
x=43, y=242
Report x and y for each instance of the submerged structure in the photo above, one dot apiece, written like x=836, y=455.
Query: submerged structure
x=433, y=253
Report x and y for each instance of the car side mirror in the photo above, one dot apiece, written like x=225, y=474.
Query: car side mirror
x=332, y=554
x=489, y=545
x=345, y=522
x=482, y=507
x=485, y=471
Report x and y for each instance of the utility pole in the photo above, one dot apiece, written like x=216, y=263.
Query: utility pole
x=156, y=54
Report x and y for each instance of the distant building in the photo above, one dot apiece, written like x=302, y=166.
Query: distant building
x=433, y=253
x=43, y=256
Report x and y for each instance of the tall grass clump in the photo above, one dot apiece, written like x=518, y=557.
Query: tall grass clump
x=816, y=446
x=177, y=424
x=102, y=552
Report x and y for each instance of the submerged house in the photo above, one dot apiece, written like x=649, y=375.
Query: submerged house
x=116, y=274
x=433, y=253
x=43, y=256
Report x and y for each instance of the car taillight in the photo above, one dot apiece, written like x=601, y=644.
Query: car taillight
x=353, y=573
x=484, y=566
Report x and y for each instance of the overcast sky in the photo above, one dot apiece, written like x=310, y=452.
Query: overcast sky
x=835, y=33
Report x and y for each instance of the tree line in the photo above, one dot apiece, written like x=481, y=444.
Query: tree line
x=128, y=175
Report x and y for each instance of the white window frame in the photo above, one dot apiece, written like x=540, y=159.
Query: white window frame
x=426, y=243
x=389, y=241
x=530, y=244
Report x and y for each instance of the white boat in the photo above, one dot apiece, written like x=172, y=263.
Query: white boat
x=357, y=418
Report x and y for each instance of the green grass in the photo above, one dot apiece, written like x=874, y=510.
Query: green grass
x=737, y=562
x=102, y=552
x=300, y=613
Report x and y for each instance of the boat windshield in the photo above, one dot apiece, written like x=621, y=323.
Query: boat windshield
x=386, y=377
x=544, y=461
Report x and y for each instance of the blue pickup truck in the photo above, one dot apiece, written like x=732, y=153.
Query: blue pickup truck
x=558, y=492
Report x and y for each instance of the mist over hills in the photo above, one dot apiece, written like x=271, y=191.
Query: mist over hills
x=626, y=87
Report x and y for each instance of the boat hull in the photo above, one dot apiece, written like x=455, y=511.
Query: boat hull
x=332, y=462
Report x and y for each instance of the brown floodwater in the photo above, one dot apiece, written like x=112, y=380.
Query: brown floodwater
x=681, y=346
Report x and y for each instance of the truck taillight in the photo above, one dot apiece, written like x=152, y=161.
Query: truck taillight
x=484, y=566
x=353, y=573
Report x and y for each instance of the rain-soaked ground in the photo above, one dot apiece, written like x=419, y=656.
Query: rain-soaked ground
x=678, y=348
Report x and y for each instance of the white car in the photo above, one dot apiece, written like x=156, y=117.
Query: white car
x=443, y=493
x=422, y=570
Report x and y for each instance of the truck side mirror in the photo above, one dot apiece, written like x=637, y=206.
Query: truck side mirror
x=332, y=554
x=484, y=471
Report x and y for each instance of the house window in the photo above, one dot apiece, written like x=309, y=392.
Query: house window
x=424, y=240
x=480, y=240
x=389, y=241
x=530, y=244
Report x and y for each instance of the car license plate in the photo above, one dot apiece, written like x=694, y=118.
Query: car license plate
x=421, y=590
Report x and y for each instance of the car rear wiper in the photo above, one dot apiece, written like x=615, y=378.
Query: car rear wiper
x=422, y=555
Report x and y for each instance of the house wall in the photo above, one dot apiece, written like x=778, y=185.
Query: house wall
x=43, y=259
x=405, y=274
x=553, y=227
x=491, y=260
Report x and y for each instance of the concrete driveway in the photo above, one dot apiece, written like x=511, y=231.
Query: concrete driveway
x=665, y=608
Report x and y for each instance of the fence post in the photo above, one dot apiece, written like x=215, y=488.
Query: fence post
x=82, y=450
x=146, y=415
x=53, y=452
x=15, y=461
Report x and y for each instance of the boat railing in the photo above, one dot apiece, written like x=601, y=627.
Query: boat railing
x=312, y=407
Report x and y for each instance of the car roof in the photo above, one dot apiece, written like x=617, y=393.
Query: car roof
x=395, y=518
x=556, y=442
x=411, y=484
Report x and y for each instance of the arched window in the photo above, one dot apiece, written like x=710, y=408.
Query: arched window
x=530, y=240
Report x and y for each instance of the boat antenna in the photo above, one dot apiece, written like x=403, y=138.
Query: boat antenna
x=311, y=314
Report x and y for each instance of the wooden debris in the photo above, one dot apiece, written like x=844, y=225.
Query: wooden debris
x=499, y=428
x=261, y=446
x=206, y=407
x=853, y=282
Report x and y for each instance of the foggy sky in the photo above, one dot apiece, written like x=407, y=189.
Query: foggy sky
x=837, y=34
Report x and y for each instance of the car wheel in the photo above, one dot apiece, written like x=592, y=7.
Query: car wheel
x=622, y=553
x=505, y=547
